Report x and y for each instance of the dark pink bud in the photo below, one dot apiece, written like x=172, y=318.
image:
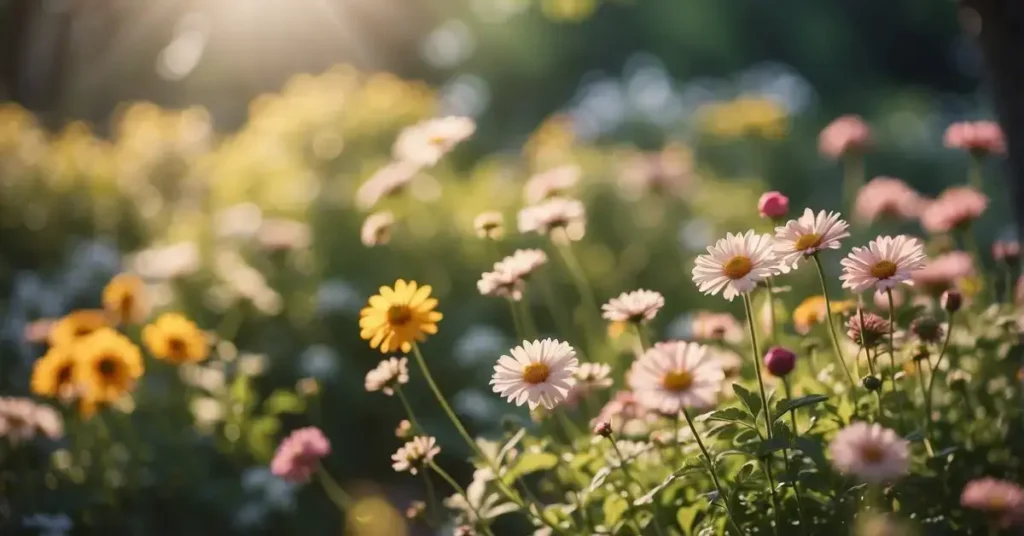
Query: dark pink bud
x=779, y=361
x=603, y=428
x=773, y=205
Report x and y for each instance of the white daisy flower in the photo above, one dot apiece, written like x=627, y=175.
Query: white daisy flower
x=538, y=373
x=639, y=306
x=557, y=213
x=884, y=264
x=426, y=142
x=376, y=229
x=808, y=235
x=385, y=182
x=736, y=264
x=551, y=183
x=489, y=225
x=523, y=262
x=388, y=375
x=502, y=282
x=415, y=454
x=677, y=374
x=870, y=452
x=594, y=376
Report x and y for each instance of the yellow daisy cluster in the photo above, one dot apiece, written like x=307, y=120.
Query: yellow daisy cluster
x=93, y=363
x=745, y=116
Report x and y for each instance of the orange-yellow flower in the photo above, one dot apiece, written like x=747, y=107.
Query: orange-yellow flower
x=176, y=339
x=399, y=316
x=108, y=366
x=812, y=311
x=124, y=299
x=53, y=374
x=77, y=325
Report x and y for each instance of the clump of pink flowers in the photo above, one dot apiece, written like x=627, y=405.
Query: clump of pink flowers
x=956, y=207
x=846, y=134
x=943, y=271
x=980, y=138
x=1003, y=501
x=887, y=197
x=299, y=454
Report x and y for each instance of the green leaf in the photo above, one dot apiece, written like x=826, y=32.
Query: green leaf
x=686, y=517
x=813, y=449
x=749, y=399
x=797, y=403
x=528, y=463
x=690, y=465
x=916, y=435
x=614, y=508
x=260, y=436
x=281, y=401
x=769, y=446
x=734, y=415
x=241, y=392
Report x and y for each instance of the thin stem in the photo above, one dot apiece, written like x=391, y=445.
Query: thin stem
x=472, y=444
x=775, y=498
x=892, y=346
x=529, y=327
x=579, y=279
x=935, y=369
x=516, y=321
x=838, y=353
x=974, y=173
x=332, y=489
x=634, y=481
x=459, y=489
x=853, y=176
x=555, y=306
x=924, y=393
x=713, y=472
x=408, y=410
x=431, y=499
x=757, y=365
x=971, y=245
x=771, y=310
x=785, y=456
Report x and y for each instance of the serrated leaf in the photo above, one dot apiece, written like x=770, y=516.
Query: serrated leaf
x=281, y=401
x=614, y=508
x=528, y=463
x=790, y=405
x=749, y=399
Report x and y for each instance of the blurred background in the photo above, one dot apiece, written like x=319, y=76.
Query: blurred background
x=215, y=149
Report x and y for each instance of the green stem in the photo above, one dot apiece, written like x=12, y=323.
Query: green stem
x=974, y=178
x=555, y=306
x=757, y=365
x=417, y=429
x=579, y=279
x=927, y=417
x=775, y=497
x=714, y=473
x=461, y=491
x=892, y=347
x=853, y=177
x=785, y=456
x=432, y=506
x=635, y=482
x=771, y=310
x=935, y=370
x=520, y=334
x=837, y=352
x=529, y=327
x=333, y=490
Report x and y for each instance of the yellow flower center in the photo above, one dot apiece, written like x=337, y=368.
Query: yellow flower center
x=737, y=267
x=812, y=240
x=872, y=453
x=997, y=503
x=883, y=269
x=677, y=380
x=535, y=373
x=437, y=139
x=399, y=315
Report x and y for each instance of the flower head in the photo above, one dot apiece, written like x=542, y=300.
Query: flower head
x=124, y=299
x=871, y=332
x=779, y=361
x=846, y=134
x=176, y=339
x=558, y=217
x=808, y=235
x=928, y=329
x=625, y=413
x=639, y=306
x=425, y=143
x=979, y=137
x=108, y=366
x=489, y=225
x=1006, y=251
x=870, y=452
x=523, y=262
x=594, y=376
x=555, y=182
x=415, y=454
x=773, y=205
x=540, y=373
x=503, y=282
x=813, y=311
x=77, y=325
x=386, y=182
x=53, y=375
x=954, y=208
x=387, y=375
x=943, y=272
x=299, y=454
x=885, y=263
x=1000, y=499
x=376, y=230
x=399, y=316
x=887, y=197
x=21, y=419
x=674, y=375
x=711, y=326
x=735, y=264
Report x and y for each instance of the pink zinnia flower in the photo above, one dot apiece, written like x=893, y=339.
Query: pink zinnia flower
x=887, y=196
x=773, y=205
x=1008, y=251
x=956, y=206
x=299, y=454
x=848, y=133
x=943, y=272
x=1000, y=499
x=978, y=137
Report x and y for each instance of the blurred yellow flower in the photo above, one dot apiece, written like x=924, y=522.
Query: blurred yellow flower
x=812, y=311
x=374, y=516
x=108, y=365
x=76, y=325
x=124, y=299
x=745, y=116
x=53, y=374
x=616, y=329
x=399, y=316
x=176, y=339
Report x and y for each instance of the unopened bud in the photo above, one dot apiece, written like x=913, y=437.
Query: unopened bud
x=951, y=300
x=603, y=429
x=871, y=383
x=779, y=361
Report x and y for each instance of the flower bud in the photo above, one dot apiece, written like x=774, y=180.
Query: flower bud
x=871, y=383
x=958, y=379
x=951, y=300
x=603, y=429
x=773, y=205
x=416, y=510
x=404, y=429
x=927, y=329
x=779, y=361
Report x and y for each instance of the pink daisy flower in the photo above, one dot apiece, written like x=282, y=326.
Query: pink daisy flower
x=870, y=452
x=299, y=454
x=846, y=134
x=978, y=137
x=956, y=207
x=887, y=197
x=1000, y=499
x=943, y=272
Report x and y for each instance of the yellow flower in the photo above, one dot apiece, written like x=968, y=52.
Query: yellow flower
x=53, y=374
x=812, y=311
x=124, y=299
x=108, y=366
x=397, y=317
x=176, y=339
x=77, y=325
x=616, y=329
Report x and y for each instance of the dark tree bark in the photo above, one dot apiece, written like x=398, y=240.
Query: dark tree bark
x=999, y=28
